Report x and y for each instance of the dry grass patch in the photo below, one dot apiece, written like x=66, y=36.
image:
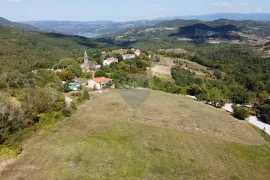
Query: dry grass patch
x=102, y=141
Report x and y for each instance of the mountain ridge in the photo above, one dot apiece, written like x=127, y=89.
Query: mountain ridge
x=6, y=23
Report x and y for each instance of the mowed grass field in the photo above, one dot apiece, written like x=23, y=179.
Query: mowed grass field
x=167, y=137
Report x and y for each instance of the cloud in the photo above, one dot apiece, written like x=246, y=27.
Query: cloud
x=223, y=4
x=14, y=1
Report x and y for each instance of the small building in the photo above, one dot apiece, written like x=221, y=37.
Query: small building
x=109, y=61
x=128, y=56
x=138, y=52
x=99, y=82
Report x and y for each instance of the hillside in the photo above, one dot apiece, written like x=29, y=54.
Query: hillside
x=24, y=50
x=112, y=136
x=233, y=16
x=6, y=23
x=187, y=33
x=80, y=27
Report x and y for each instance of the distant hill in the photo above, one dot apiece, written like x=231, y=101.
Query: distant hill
x=200, y=30
x=10, y=24
x=231, y=16
x=182, y=33
x=81, y=27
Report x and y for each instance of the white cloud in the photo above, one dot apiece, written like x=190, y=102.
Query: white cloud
x=224, y=4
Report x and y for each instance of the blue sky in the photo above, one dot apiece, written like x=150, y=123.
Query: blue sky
x=122, y=10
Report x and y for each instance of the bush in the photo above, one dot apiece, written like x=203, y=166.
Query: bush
x=264, y=113
x=3, y=85
x=67, y=112
x=240, y=112
x=73, y=105
x=85, y=95
x=239, y=95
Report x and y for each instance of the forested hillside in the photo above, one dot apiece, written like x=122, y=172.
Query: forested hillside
x=182, y=33
x=7, y=23
x=24, y=50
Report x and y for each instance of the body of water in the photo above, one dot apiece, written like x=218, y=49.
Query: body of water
x=90, y=35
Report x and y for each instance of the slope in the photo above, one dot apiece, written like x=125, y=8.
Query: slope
x=182, y=139
x=24, y=50
x=15, y=25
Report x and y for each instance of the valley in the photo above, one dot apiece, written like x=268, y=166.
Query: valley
x=143, y=99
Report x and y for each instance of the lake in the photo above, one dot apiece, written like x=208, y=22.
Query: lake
x=90, y=35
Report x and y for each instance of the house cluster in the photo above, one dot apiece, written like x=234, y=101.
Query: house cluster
x=101, y=82
x=137, y=53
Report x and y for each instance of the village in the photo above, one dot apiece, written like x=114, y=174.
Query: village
x=97, y=82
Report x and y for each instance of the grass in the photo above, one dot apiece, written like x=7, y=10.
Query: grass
x=170, y=137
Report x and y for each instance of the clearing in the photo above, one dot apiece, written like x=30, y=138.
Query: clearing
x=177, y=50
x=166, y=63
x=164, y=137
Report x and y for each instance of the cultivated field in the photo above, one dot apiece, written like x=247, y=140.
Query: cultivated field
x=164, y=137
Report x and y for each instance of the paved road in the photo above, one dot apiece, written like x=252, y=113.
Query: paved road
x=255, y=121
x=252, y=119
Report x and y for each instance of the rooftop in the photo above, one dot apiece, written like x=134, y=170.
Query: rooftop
x=111, y=59
x=101, y=79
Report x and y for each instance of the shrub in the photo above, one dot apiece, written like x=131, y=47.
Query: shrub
x=240, y=112
x=2, y=85
x=73, y=105
x=85, y=95
x=67, y=112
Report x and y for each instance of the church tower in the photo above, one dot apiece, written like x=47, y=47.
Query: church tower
x=85, y=65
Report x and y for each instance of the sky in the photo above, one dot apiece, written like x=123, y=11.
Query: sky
x=122, y=10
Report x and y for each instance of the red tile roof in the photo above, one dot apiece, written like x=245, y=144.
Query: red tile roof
x=102, y=79
x=111, y=59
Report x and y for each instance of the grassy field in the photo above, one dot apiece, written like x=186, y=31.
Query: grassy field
x=167, y=137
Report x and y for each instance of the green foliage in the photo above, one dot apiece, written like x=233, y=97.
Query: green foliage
x=213, y=96
x=217, y=74
x=73, y=105
x=101, y=73
x=240, y=112
x=264, y=112
x=87, y=75
x=85, y=95
x=26, y=51
x=76, y=70
x=184, y=77
x=66, y=75
x=11, y=116
x=3, y=85
x=64, y=63
x=239, y=95
x=67, y=112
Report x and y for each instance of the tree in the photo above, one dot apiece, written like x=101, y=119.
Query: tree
x=240, y=112
x=101, y=73
x=65, y=75
x=76, y=70
x=64, y=63
x=239, y=95
x=218, y=74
